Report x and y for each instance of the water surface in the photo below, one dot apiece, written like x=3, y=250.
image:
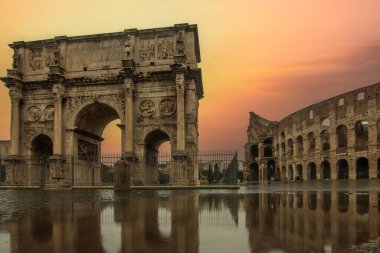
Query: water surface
x=294, y=217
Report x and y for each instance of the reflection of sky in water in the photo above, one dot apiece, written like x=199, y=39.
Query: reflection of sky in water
x=218, y=226
x=110, y=231
x=5, y=242
x=164, y=221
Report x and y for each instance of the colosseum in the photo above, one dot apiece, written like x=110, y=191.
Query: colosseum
x=338, y=138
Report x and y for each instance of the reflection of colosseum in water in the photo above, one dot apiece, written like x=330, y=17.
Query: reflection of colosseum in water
x=338, y=138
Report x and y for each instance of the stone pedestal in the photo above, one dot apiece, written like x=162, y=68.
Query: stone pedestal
x=15, y=170
x=58, y=176
x=122, y=176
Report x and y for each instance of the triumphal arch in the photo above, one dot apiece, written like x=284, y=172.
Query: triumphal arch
x=65, y=90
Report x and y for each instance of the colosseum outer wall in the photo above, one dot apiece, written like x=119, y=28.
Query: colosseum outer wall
x=338, y=138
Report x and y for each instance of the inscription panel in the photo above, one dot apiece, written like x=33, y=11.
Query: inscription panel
x=94, y=53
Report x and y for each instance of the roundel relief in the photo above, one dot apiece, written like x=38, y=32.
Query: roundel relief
x=49, y=112
x=147, y=107
x=167, y=106
x=33, y=113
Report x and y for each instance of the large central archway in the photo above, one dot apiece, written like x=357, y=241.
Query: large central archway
x=90, y=123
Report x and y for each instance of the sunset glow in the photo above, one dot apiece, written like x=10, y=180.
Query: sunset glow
x=271, y=57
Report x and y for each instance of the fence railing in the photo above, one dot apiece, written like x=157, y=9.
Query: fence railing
x=216, y=167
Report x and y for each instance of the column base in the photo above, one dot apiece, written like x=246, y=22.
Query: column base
x=122, y=176
x=57, y=174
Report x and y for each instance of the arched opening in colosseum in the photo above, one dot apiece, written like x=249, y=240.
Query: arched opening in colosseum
x=362, y=168
x=254, y=171
x=283, y=173
x=312, y=171
x=342, y=165
x=271, y=165
x=341, y=134
x=282, y=136
x=299, y=145
x=283, y=151
x=378, y=130
x=326, y=170
x=299, y=172
x=311, y=141
x=361, y=134
x=268, y=152
x=325, y=140
x=290, y=148
x=378, y=168
x=343, y=202
x=268, y=141
x=290, y=172
x=254, y=150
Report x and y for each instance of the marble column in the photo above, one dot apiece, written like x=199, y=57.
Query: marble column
x=58, y=124
x=15, y=122
x=129, y=118
x=180, y=84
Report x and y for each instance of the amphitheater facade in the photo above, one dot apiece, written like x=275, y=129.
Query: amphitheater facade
x=338, y=138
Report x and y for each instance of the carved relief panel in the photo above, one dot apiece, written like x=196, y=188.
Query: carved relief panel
x=87, y=150
x=165, y=48
x=36, y=59
x=147, y=49
x=167, y=106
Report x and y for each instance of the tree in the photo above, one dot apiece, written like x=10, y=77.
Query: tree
x=217, y=175
x=210, y=177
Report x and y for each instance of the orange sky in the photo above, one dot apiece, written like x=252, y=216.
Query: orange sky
x=272, y=57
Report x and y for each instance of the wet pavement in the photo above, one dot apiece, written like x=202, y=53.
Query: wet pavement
x=295, y=217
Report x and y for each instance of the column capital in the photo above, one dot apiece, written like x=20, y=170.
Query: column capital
x=58, y=90
x=16, y=94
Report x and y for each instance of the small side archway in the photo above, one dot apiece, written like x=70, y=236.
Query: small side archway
x=42, y=146
x=312, y=171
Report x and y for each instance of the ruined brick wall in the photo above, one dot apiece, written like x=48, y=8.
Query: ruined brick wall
x=334, y=139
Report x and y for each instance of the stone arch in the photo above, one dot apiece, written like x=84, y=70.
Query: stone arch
x=290, y=147
x=268, y=151
x=72, y=117
x=271, y=164
x=311, y=141
x=29, y=144
x=300, y=145
x=361, y=134
x=254, y=150
x=343, y=172
x=41, y=146
x=362, y=168
x=299, y=171
x=326, y=170
x=341, y=135
x=268, y=141
x=325, y=140
x=311, y=171
x=290, y=172
x=254, y=171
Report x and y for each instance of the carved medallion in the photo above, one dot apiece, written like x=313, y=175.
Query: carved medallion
x=33, y=113
x=147, y=107
x=36, y=59
x=167, y=106
x=49, y=112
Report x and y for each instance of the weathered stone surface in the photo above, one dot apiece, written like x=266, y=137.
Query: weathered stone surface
x=69, y=88
x=338, y=138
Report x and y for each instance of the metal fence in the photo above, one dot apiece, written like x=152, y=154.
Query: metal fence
x=217, y=167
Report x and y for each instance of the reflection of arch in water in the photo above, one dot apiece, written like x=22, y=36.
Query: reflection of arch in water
x=42, y=226
x=362, y=202
x=343, y=202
